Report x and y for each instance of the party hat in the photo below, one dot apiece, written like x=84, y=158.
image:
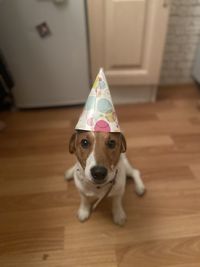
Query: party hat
x=99, y=114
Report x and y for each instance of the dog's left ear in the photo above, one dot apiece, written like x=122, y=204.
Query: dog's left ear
x=72, y=148
x=123, y=144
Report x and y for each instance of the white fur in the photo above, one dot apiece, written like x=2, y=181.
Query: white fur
x=90, y=162
x=88, y=190
x=135, y=174
x=69, y=174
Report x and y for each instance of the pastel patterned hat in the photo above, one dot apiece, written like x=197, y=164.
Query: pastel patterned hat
x=99, y=114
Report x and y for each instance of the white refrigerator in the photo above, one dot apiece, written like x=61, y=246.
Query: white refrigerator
x=45, y=45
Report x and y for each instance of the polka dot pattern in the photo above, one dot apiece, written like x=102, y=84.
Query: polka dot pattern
x=99, y=113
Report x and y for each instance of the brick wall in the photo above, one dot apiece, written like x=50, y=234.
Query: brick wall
x=181, y=42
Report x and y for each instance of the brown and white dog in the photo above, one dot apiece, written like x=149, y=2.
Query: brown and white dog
x=101, y=171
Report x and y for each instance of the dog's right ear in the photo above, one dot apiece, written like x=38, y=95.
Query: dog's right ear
x=72, y=148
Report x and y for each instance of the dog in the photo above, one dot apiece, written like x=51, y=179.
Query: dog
x=101, y=171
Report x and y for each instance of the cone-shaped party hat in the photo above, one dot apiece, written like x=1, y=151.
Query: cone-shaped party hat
x=99, y=114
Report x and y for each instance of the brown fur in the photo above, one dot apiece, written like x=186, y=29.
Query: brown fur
x=104, y=155
x=75, y=146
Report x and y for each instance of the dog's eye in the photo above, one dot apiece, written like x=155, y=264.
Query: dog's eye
x=111, y=144
x=85, y=143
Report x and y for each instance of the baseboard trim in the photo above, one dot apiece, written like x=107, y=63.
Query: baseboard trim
x=135, y=94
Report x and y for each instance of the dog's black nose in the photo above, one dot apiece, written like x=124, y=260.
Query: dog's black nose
x=99, y=173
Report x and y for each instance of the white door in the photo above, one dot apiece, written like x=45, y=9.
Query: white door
x=127, y=38
x=47, y=71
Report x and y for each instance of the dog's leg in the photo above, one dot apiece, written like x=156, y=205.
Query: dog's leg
x=135, y=174
x=69, y=174
x=139, y=185
x=119, y=215
x=84, y=209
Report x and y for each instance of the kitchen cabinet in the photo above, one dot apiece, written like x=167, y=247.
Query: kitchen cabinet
x=126, y=38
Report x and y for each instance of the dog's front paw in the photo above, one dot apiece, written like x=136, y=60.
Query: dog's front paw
x=119, y=218
x=83, y=214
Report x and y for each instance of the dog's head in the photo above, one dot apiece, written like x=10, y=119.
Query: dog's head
x=98, y=153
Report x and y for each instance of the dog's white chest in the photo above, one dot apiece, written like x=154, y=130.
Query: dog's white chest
x=87, y=188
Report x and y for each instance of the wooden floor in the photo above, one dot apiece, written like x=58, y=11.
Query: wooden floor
x=38, y=224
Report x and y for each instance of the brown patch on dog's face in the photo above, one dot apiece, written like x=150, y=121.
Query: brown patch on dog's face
x=108, y=148
x=81, y=143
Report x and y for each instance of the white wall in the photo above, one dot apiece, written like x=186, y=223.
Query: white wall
x=182, y=38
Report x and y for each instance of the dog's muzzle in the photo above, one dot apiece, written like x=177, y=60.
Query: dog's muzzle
x=99, y=174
